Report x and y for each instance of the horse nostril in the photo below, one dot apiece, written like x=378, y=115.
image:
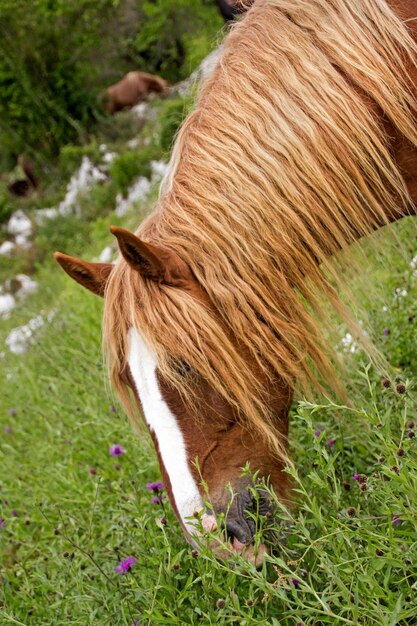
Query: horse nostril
x=239, y=529
x=240, y=523
x=265, y=505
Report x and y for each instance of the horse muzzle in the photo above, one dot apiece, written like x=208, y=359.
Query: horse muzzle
x=239, y=514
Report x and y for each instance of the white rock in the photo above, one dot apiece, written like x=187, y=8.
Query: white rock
x=141, y=110
x=108, y=157
x=133, y=143
x=208, y=65
x=106, y=255
x=27, y=285
x=6, y=248
x=18, y=340
x=159, y=169
x=46, y=214
x=85, y=178
x=19, y=224
x=50, y=316
x=22, y=241
x=7, y=304
x=204, y=70
x=137, y=192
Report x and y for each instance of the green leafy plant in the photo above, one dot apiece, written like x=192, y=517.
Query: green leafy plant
x=172, y=113
x=130, y=165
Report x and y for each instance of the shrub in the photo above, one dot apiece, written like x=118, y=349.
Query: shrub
x=99, y=201
x=70, y=158
x=6, y=207
x=68, y=233
x=172, y=114
x=47, y=87
x=174, y=37
x=132, y=164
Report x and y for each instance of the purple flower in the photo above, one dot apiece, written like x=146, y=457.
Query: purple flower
x=2, y=523
x=135, y=623
x=395, y=520
x=318, y=432
x=12, y=412
x=116, y=450
x=355, y=476
x=15, y=513
x=386, y=331
x=7, y=429
x=113, y=409
x=295, y=582
x=155, y=487
x=158, y=499
x=331, y=443
x=126, y=565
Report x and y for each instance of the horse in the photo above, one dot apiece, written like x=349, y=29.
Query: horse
x=133, y=88
x=23, y=187
x=210, y=313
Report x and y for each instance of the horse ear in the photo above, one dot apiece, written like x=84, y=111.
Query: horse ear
x=92, y=276
x=153, y=262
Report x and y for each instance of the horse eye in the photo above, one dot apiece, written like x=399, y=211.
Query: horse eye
x=182, y=367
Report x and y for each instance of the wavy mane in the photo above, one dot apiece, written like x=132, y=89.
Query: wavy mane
x=280, y=166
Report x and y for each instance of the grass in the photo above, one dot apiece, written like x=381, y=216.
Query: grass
x=79, y=512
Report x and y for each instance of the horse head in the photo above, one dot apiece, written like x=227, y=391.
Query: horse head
x=202, y=443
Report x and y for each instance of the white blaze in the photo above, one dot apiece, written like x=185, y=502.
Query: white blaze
x=163, y=424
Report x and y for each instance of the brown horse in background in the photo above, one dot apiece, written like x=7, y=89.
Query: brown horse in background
x=132, y=89
x=302, y=141
x=23, y=187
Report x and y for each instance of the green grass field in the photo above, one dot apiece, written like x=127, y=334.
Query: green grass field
x=70, y=512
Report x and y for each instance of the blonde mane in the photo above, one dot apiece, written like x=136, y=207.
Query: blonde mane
x=281, y=164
